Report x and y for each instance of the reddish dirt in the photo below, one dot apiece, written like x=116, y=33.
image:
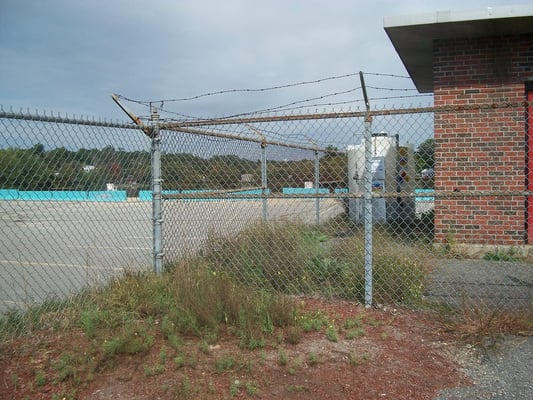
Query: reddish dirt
x=400, y=356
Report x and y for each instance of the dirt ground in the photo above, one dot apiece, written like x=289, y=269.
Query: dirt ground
x=394, y=354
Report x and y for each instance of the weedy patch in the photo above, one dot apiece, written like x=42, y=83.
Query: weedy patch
x=298, y=259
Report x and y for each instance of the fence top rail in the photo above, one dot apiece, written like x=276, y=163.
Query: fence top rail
x=293, y=117
x=44, y=117
x=238, y=194
x=337, y=115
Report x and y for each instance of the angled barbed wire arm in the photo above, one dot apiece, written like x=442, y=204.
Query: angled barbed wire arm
x=146, y=129
x=157, y=216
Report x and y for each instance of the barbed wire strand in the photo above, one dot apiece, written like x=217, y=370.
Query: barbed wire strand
x=280, y=108
x=264, y=89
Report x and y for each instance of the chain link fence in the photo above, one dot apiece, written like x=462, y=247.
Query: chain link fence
x=66, y=218
x=293, y=216
x=280, y=202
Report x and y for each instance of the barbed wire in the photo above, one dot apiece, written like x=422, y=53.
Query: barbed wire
x=392, y=89
x=387, y=75
x=276, y=108
x=265, y=89
x=287, y=107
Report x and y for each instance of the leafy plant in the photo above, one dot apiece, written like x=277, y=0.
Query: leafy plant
x=312, y=358
x=179, y=361
x=251, y=389
x=355, y=333
x=353, y=322
x=135, y=337
x=224, y=364
x=40, y=378
x=331, y=334
x=510, y=254
x=282, y=357
x=314, y=321
x=91, y=319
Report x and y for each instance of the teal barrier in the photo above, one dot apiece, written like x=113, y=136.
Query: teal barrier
x=304, y=190
x=9, y=194
x=69, y=195
x=62, y=195
x=145, y=195
x=424, y=198
x=30, y=195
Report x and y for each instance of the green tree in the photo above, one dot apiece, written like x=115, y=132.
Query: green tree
x=334, y=168
x=22, y=169
x=425, y=155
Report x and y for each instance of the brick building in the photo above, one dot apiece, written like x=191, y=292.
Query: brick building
x=479, y=66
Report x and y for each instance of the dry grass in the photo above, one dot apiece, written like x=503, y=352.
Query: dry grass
x=481, y=326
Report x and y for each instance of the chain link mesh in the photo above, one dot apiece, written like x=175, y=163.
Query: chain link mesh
x=66, y=221
x=297, y=226
x=276, y=201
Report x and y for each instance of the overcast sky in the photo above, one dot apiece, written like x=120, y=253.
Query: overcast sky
x=70, y=55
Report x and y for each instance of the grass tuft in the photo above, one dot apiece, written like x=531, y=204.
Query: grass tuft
x=479, y=326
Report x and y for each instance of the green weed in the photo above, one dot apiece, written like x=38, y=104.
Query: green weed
x=282, y=357
x=331, y=334
x=297, y=389
x=509, y=255
x=72, y=366
x=153, y=370
x=134, y=337
x=355, y=333
x=294, y=334
x=251, y=389
x=40, y=378
x=224, y=364
x=184, y=389
x=235, y=387
x=312, y=358
x=312, y=322
x=179, y=361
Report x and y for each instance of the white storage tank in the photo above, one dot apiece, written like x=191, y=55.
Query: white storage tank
x=393, y=171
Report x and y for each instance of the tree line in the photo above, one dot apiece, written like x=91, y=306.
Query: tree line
x=35, y=168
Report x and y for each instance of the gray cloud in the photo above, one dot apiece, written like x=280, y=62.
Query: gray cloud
x=68, y=55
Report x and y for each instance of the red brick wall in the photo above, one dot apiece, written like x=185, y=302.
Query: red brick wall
x=481, y=148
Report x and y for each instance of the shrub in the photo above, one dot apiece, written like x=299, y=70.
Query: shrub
x=298, y=259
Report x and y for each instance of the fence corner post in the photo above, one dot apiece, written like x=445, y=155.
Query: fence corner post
x=368, y=198
x=157, y=220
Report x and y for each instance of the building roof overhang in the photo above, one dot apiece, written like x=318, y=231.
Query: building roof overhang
x=413, y=35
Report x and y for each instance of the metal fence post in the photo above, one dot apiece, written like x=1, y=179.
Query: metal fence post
x=317, y=187
x=157, y=221
x=367, y=178
x=264, y=179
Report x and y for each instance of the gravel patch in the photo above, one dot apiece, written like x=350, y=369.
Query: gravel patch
x=502, y=372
